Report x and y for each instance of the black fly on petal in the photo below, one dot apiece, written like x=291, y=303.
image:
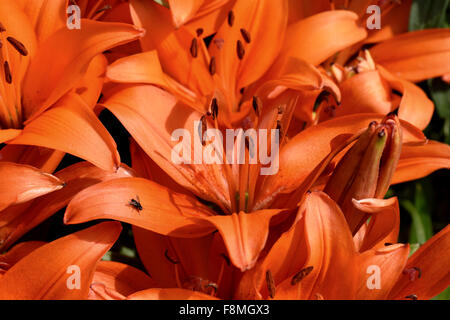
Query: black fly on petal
x=136, y=204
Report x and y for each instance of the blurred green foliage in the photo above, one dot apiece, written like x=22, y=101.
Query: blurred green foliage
x=426, y=200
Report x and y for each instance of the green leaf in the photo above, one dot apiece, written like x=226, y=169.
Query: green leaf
x=163, y=3
x=421, y=227
x=440, y=92
x=444, y=295
x=413, y=248
x=428, y=14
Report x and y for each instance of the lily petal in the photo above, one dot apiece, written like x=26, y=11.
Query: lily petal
x=244, y=234
x=145, y=68
x=390, y=261
x=331, y=253
x=319, y=140
x=373, y=94
x=327, y=33
x=44, y=273
x=184, y=10
x=76, y=48
x=71, y=126
x=173, y=45
x=91, y=84
x=18, y=220
x=21, y=183
x=46, y=16
x=417, y=161
x=384, y=224
x=415, y=107
x=121, y=278
x=18, y=252
x=163, y=210
x=415, y=56
x=252, y=16
x=149, y=245
x=434, y=277
x=9, y=134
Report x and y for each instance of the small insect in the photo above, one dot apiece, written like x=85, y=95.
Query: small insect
x=136, y=204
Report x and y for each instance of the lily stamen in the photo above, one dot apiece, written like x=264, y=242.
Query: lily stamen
x=199, y=32
x=301, y=275
x=214, y=108
x=257, y=105
x=212, y=66
x=270, y=284
x=7, y=70
x=166, y=254
x=230, y=18
x=194, y=48
x=240, y=50
x=19, y=46
x=246, y=35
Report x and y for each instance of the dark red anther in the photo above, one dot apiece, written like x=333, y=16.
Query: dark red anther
x=300, y=275
x=240, y=50
x=270, y=284
x=194, y=48
x=246, y=35
x=212, y=66
x=230, y=18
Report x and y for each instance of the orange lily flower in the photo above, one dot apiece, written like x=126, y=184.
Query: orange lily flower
x=222, y=185
x=35, y=270
x=204, y=84
x=383, y=76
x=50, y=81
x=318, y=258
x=172, y=210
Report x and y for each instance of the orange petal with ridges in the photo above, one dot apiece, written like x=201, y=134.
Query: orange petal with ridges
x=331, y=253
x=91, y=84
x=373, y=94
x=21, y=183
x=417, y=161
x=8, y=134
x=44, y=273
x=433, y=261
x=210, y=17
x=415, y=56
x=184, y=10
x=253, y=16
x=318, y=37
x=244, y=234
x=47, y=16
x=121, y=278
x=10, y=258
x=150, y=245
x=173, y=45
x=415, y=107
x=163, y=210
x=389, y=261
x=384, y=224
x=18, y=220
x=71, y=126
x=146, y=68
x=74, y=49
